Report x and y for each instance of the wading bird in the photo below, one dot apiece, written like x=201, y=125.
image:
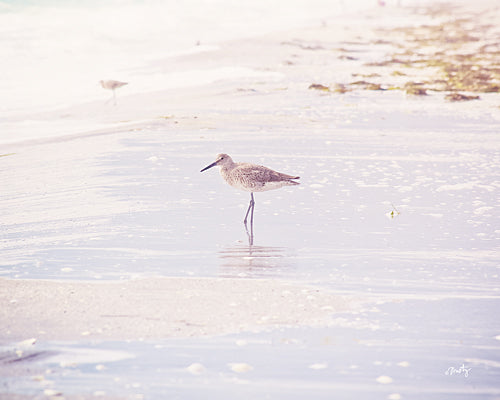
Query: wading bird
x=250, y=178
x=112, y=85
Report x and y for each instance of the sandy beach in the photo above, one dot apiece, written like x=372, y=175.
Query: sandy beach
x=158, y=308
x=128, y=274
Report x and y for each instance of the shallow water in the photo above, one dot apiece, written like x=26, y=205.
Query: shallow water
x=413, y=205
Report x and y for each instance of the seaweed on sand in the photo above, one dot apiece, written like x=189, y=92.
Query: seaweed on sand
x=460, y=53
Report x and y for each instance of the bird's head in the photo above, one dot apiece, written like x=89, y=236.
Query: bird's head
x=221, y=159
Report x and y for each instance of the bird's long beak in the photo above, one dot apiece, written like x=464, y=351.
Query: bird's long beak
x=210, y=166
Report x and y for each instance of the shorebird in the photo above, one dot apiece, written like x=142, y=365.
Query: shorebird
x=112, y=85
x=250, y=178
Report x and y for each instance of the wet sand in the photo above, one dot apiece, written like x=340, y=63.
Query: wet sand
x=158, y=308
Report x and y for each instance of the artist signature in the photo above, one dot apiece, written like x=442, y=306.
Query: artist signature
x=458, y=371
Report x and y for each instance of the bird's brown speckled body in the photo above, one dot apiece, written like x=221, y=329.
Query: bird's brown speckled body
x=252, y=177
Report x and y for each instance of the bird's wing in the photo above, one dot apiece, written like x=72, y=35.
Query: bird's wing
x=264, y=174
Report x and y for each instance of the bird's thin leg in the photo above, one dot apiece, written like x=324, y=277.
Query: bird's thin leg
x=251, y=225
x=250, y=206
x=250, y=237
x=249, y=234
x=251, y=215
x=114, y=97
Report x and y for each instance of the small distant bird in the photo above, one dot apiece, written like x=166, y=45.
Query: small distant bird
x=250, y=178
x=112, y=85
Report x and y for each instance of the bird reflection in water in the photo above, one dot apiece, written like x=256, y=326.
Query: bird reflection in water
x=254, y=260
